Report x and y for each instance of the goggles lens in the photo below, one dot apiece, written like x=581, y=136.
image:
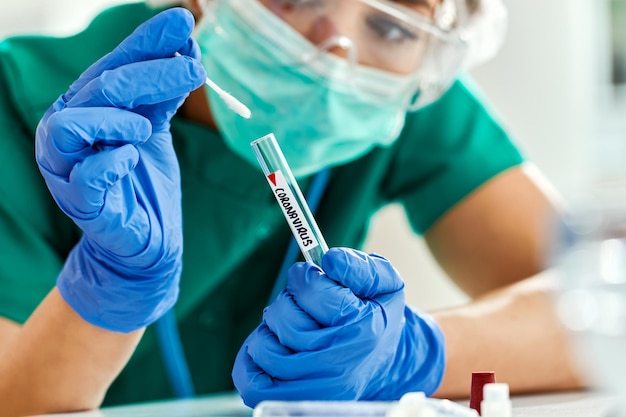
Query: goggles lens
x=383, y=34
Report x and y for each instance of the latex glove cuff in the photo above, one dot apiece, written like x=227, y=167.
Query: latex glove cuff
x=422, y=373
x=121, y=300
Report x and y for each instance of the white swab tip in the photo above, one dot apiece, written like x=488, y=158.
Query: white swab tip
x=238, y=107
x=234, y=104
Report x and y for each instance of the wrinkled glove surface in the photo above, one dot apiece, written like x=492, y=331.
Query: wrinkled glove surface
x=343, y=333
x=105, y=151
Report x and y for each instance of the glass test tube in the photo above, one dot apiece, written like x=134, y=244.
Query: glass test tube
x=290, y=198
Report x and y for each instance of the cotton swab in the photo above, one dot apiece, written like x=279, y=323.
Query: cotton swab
x=232, y=103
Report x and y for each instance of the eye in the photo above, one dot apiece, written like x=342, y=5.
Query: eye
x=390, y=30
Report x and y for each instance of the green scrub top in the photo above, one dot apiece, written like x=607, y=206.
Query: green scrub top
x=234, y=234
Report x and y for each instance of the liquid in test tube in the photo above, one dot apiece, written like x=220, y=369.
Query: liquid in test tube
x=290, y=198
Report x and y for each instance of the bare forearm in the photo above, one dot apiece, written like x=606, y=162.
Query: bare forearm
x=58, y=362
x=513, y=332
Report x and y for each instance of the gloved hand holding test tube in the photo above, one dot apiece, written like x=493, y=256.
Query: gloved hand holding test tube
x=340, y=329
x=290, y=198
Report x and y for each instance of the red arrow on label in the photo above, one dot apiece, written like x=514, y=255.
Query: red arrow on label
x=272, y=178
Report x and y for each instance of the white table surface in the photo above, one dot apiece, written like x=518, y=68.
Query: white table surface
x=566, y=404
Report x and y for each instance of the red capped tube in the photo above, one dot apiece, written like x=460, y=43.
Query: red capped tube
x=479, y=379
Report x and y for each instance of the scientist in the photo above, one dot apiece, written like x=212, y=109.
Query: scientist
x=136, y=158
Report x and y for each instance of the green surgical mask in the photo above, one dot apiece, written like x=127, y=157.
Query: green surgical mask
x=324, y=112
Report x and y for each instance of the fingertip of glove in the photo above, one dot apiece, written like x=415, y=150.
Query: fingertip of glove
x=337, y=260
x=195, y=70
x=191, y=49
x=366, y=275
x=130, y=154
x=198, y=72
x=304, y=266
x=187, y=19
x=300, y=275
x=168, y=30
x=179, y=17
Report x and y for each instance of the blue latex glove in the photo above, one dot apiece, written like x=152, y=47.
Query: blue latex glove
x=345, y=334
x=105, y=151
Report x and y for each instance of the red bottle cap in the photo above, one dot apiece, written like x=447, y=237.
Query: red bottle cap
x=479, y=379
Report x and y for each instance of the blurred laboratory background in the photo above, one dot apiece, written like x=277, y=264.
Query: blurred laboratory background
x=559, y=84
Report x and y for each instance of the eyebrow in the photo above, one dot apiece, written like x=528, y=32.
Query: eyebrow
x=424, y=3
x=421, y=6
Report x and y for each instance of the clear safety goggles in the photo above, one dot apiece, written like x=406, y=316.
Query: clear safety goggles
x=417, y=40
x=376, y=33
